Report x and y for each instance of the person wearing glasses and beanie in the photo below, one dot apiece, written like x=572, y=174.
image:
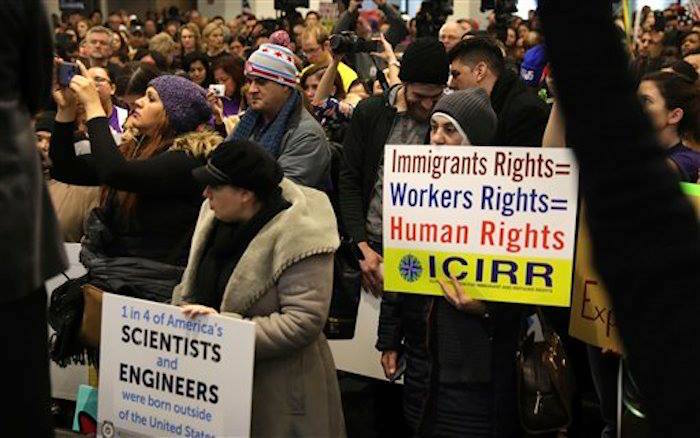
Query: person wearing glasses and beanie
x=263, y=250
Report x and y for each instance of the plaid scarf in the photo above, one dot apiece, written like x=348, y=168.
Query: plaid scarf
x=271, y=138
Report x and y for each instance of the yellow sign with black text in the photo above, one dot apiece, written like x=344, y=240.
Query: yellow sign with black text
x=502, y=220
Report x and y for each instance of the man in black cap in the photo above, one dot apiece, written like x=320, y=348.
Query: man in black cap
x=399, y=116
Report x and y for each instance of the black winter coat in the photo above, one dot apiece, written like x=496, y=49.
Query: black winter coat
x=362, y=152
x=408, y=324
x=522, y=116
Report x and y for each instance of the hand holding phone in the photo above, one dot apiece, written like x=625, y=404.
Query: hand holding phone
x=66, y=71
x=218, y=89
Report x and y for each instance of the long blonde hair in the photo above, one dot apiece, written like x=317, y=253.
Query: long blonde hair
x=197, y=36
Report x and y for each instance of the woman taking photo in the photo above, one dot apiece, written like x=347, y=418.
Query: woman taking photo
x=137, y=241
x=228, y=71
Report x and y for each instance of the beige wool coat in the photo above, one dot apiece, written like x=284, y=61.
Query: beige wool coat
x=283, y=283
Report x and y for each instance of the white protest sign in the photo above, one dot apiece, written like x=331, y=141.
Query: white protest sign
x=501, y=219
x=163, y=374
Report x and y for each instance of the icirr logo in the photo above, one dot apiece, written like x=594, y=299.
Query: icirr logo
x=410, y=268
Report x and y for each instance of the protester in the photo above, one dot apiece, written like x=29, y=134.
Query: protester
x=310, y=80
x=99, y=44
x=189, y=39
x=149, y=200
x=81, y=28
x=400, y=116
x=668, y=99
x=96, y=18
x=238, y=47
x=450, y=34
x=351, y=21
x=213, y=36
x=229, y=72
x=71, y=203
x=316, y=47
x=628, y=187
x=106, y=89
x=163, y=44
x=649, y=59
x=31, y=247
x=120, y=50
x=196, y=65
x=150, y=28
x=312, y=19
x=281, y=237
x=278, y=120
x=522, y=116
x=466, y=385
x=691, y=43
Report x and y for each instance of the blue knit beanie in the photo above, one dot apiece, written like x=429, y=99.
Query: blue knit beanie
x=184, y=101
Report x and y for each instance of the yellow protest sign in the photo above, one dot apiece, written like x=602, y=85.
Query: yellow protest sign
x=592, y=317
x=502, y=220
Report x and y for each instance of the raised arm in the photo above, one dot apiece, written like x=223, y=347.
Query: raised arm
x=644, y=232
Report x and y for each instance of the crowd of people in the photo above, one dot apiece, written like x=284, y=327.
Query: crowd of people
x=280, y=125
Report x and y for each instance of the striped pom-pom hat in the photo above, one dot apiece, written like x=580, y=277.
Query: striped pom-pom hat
x=274, y=63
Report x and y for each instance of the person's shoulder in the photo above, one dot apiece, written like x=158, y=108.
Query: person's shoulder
x=524, y=98
x=308, y=124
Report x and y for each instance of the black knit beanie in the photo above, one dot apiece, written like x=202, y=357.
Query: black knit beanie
x=425, y=61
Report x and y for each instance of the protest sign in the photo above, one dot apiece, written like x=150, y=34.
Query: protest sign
x=163, y=374
x=592, y=316
x=501, y=220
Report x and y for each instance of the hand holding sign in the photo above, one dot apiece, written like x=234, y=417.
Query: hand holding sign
x=459, y=297
x=194, y=310
x=372, y=277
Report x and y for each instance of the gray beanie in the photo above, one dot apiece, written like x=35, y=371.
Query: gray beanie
x=471, y=112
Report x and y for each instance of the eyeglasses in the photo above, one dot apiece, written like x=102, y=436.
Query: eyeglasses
x=314, y=50
x=98, y=42
x=100, y=80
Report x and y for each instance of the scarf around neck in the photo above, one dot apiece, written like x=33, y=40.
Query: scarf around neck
x=227, y=244
x=271, y=138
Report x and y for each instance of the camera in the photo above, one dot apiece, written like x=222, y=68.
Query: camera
x=432, y=15
x=66, y=71
x=348, y=42
x=217, y=89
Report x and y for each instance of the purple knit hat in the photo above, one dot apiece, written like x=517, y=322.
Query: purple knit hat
x=184, y=101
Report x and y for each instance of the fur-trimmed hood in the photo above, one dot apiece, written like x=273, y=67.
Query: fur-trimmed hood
x=305, y=229
x=197, y=144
